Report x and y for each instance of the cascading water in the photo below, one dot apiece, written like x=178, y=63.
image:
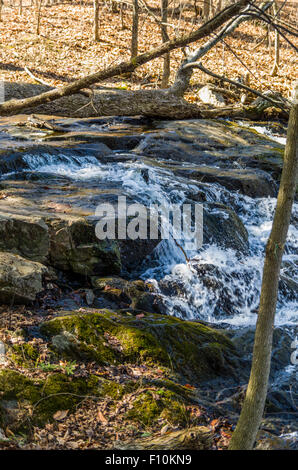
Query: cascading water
x=218, y=284
x=238, y=277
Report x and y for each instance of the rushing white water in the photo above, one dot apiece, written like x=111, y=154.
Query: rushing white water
x=234, y=297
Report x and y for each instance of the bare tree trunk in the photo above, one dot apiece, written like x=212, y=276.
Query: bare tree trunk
x=96, y=20
x=20, y=7
x=38, y=16
x=206, y=10
x=276, y=46
x=1, y=6
x=249, y=422
x=135, y=29
x=165, y=38
x=122, y=16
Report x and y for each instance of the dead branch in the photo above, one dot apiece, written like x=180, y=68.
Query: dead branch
x=283, y=106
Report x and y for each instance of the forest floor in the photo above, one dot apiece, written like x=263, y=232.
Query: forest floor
x=65, y=50
x=96, y=423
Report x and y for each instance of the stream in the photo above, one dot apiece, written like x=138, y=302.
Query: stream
x=220, y=285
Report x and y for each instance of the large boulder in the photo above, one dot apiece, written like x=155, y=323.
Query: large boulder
x=193, y=351
x=20, y=279
x=74, y=247
x=27, y=236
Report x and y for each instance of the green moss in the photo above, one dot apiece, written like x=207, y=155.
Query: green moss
x=25, y=354
x=112, y=389
x=44, y=398
x=61, y=392
x=191, y=349
x=150, y=406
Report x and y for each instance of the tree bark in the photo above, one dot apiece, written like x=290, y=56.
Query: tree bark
x=15, y=106
x=184, y=72
x=96, y=20
x=38, y=16
x=152, y=103
x=165, y=38
x=249, y=422
x=276, y=45
x=195, y=438
x=135, y=29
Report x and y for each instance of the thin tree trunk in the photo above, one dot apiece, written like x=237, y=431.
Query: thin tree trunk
x=96, y=20
x=206, y=10
x=1, y=6
x=135, y=30
x=276, y=46
x=249, y=422
x=38, y=16
x=165, y=38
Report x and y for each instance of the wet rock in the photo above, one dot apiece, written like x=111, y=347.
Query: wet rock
x=24, y=156
x=253, y=183
x=212, y=143
x=136, y=295
x=20, y=279
x=74, y=247
x=224, y=228
x=268, y=441
x=26, y=236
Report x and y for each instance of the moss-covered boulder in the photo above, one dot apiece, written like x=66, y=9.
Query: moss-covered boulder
x=25, y=402
x=154, y=404
x=191, y=350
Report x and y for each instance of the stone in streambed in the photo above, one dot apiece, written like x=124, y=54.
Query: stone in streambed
x=20, y=279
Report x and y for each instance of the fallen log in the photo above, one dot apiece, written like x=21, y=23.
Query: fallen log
x=151, y=103
x=195, y=438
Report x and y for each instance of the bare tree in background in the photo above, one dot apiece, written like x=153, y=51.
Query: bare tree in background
x=38, y=16
x=276, y=44
x=165, y=38
x=135, y=29
x=96, y=20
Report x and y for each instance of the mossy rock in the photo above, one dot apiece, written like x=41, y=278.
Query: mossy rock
x=191, y=350
x=36, y=401
x=24, y=354
x=152, y=405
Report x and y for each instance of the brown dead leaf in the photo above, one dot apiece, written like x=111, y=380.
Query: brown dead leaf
x=60, y=415
x=101, y=417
